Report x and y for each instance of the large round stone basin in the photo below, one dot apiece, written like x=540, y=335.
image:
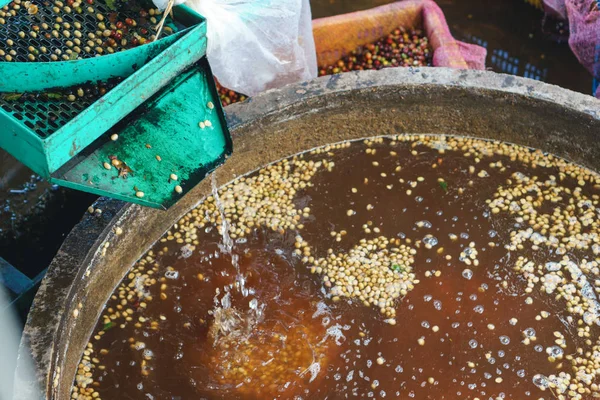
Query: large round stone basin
x=278, y=123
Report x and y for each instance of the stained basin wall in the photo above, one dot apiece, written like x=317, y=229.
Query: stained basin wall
x=278, y=123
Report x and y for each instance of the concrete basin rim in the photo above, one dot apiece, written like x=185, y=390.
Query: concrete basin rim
x=240, y=116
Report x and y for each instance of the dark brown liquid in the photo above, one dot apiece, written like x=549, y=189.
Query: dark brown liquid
x=475, y=352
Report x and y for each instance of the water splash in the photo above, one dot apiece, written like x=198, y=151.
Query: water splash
x=230, y=324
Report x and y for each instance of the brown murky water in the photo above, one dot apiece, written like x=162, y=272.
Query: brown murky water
x=464, y=326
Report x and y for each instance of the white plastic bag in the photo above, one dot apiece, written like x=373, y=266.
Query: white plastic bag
x=254, y=45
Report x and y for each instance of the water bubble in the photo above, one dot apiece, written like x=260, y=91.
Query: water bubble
x=539, y=348
x=529, y=332
x=425, y=324
x=552, y=266
x=455, y=325
x=336, y=332
x=492, y=233
x=467, y=273
x=148, y=353
x=427, y=297
x=555, y=351
x=418, y=199
x=350, y=376
x=478, y=309
x=398, y=369
x=437, y=305
x=172, y=274
x=473, y=343
x=186, y=251
x=540, y=381
x=464, y=235
x=521, y=373
x=430, y=240
x=140, y=386
x=504, y=340
x=423, y=224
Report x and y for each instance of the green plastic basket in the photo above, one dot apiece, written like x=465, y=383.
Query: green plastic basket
x=50, y=136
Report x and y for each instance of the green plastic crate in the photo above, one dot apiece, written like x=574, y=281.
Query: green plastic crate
x=68, y=142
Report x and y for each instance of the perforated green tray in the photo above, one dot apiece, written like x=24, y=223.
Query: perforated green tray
x=167, y=126
x=53, y=147
x=45, y=74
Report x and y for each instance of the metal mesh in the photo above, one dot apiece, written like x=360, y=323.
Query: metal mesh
x=59, y=32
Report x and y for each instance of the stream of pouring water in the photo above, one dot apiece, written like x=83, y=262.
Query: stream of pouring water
x=226, y=246
x=229, y=322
